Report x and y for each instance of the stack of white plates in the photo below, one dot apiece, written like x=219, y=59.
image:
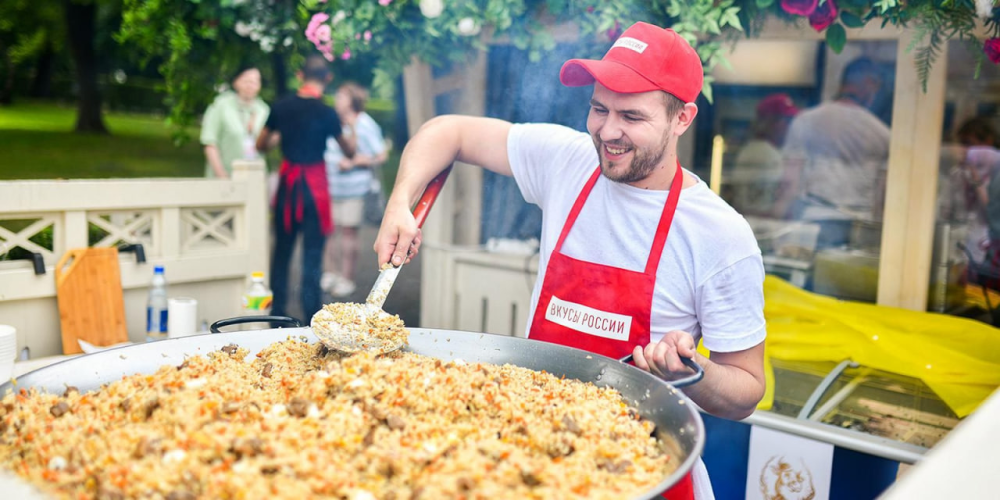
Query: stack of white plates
x=8, y=351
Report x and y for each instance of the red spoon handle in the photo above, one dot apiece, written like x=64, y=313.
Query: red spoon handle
x=430, y=195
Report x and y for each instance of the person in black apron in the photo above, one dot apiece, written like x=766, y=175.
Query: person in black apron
x=637, y=255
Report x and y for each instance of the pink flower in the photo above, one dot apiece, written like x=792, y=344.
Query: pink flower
x=357, y=36
x=614, y=32
x=384, y=2
x=368, y=35
x=799, y=7
x=323, y=33
x=347, y=54
x=314, y=24
x=823, y=16
x=992, y=49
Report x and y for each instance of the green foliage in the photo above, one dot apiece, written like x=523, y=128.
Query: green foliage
x=196, y=43
x=851, y=20
x=936, y=24
x=836, y=37
x=25, y=26
x=199, y=45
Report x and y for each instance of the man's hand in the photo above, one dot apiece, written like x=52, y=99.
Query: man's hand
x=398, y=238
x=733, y=383
x=663, y=358
x=345, y=164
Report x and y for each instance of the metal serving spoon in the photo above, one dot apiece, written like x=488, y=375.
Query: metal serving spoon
x=357, y=327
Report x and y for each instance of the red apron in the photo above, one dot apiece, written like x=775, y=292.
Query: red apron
x=603, y=309
x=314, y=176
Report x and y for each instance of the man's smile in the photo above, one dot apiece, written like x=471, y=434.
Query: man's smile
x=613, y=152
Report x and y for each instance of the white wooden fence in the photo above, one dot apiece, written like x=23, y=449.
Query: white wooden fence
x=208, y=234
x=478, y=292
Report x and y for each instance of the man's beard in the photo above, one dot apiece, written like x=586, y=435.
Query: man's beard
x=644, y=160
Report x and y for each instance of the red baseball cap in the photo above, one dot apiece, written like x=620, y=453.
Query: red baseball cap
x=777, y=105
x=643, y=59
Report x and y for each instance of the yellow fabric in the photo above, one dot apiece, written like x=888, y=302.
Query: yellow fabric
x=958, y=358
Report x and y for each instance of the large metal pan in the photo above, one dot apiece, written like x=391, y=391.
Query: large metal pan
x=677, y=421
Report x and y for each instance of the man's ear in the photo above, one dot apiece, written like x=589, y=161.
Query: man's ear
x=685, y=118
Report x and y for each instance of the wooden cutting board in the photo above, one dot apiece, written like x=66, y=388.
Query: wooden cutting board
x=89, y=292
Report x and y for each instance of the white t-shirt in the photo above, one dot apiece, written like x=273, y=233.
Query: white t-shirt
x=843, y=148
x=710, y=278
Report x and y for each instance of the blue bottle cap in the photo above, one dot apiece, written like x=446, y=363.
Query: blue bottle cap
x=158, y=270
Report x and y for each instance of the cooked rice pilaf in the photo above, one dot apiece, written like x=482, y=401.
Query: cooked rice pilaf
x=300, y=422
x=357, y=327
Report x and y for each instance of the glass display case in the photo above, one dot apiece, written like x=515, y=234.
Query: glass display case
x=863, y=399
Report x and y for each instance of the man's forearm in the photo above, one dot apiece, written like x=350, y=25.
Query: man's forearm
x=725, y=391
x=429, y=152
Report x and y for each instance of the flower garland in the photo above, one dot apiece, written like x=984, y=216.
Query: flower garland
x=436, y=32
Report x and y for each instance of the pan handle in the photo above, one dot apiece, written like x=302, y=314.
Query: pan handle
x=429, y=196
x=699, y=373
x=222, y=323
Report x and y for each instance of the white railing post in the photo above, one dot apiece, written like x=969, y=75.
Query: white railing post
x=169, y=232
x=74, y=232
x=255, y=212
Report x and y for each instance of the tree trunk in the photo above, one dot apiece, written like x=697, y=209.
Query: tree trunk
x=41, y=86
x=7, y=67
x=81, y=20
x=280, y=69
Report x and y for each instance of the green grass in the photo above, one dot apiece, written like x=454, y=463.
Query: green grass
x=37, y=142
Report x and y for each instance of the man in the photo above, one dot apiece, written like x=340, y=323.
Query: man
x=608, y=202
x=350, y=180
x=758, y=167
x=302, y=122
x=836, y=157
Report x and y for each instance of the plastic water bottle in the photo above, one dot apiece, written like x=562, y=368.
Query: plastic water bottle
x=258, y=297
x=156, y=307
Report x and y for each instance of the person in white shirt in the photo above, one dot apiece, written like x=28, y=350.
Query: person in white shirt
x=758, y=168
x=653, y=258
x=350, y=180
x=836, y=156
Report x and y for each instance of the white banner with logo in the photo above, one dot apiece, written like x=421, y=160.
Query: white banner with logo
x=588, y=320
x=787, y=467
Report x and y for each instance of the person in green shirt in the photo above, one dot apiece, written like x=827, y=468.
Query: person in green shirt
x=232, y=123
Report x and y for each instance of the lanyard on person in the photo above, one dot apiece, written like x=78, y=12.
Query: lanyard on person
x=248, y=117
